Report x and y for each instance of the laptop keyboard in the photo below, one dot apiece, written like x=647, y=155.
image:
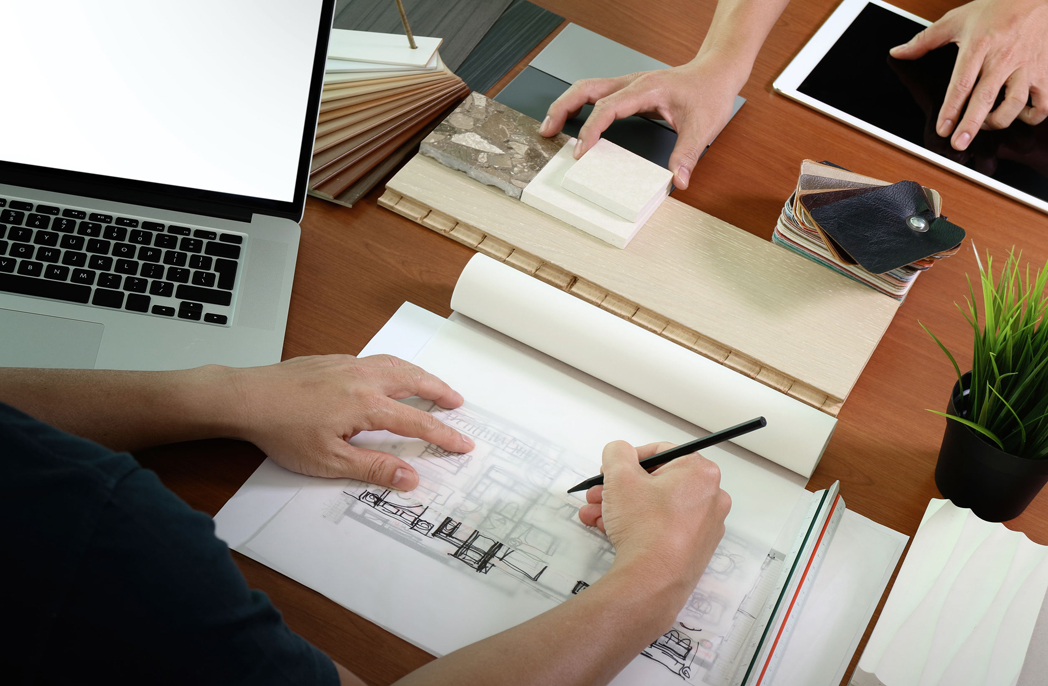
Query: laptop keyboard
x=129, y=263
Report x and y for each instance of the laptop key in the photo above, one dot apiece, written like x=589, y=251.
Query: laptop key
x=11, y=217
x=90, y=229
x=141, y=237
x=124, y=221
x=53, y=271
x=212, y=318
x=101, y=218
x=125, y=250
x=30, y=268
x=162, y=289
x=45, y=254
x=109, y=281
x=48, y=238
x=3, y=202
x=152, y=271
x=200, y=262
x=22, y=205
x=38, y=221
x=47, y=209
x=178, y=275
x=3, y=247
x=205, y=279
x=7, y=264
x=102, y=264
x=227, y=274
x=214, y=249
x=83, y=276
x=149, y=254
x=204, y=295
x=107, y=298
x=74, y=214
x=231, y=238
x=115, y=233
x=135, y=285
x=191, y=244
x=3, y=230
x=98, y=247
x=164, y=240
x=175, y=259
x=191, y=311
x=137, y=303
x=126, y=267
x=55, y=290
x=21, y=250
x=205, y=234
x=153, y=226
x=163, y=311
x=75, y=259
x=64, y=225
x=179, y=230
x=72, y=242
x=21, y=235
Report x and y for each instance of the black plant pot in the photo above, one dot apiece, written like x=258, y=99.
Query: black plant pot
x=976, y=474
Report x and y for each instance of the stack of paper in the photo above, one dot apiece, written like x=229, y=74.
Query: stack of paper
x=380, y=98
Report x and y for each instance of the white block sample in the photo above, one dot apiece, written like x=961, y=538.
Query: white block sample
x=546, y=193
x=618, y=180
x=374, y=70
x=383, y=48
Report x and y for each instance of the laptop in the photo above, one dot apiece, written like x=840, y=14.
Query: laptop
x=153, y=171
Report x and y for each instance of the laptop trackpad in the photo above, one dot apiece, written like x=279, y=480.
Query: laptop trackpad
x=38, y=340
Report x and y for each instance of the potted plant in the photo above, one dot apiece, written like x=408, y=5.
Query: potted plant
x=994, y=454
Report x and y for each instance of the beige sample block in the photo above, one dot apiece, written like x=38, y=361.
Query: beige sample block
x=547, y=194
x=618, y=180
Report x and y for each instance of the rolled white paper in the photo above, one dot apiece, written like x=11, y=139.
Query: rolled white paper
x=641, y=363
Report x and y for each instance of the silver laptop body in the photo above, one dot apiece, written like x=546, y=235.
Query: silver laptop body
x=150, y=198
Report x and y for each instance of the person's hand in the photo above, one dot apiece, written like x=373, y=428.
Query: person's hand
x=1000, y=43
x=302, y=412
x=667, y=522
x=696, y=99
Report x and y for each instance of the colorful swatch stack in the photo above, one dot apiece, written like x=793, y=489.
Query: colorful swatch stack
x=381, y=97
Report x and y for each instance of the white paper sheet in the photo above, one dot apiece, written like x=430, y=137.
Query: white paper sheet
x=641, y=363
x=381, y=48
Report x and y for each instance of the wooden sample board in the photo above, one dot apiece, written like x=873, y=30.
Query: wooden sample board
x=690, y=277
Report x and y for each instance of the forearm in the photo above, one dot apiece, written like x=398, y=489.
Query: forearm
x=738, y=31
x=126, y=410
x=586, y=640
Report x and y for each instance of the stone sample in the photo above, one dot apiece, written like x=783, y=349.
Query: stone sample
x=619, y=180
x=546, y=193
x=492, y=143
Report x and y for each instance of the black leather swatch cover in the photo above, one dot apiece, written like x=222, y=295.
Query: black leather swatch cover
x=874, y=227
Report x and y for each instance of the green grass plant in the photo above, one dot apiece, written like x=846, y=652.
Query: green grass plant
x=1007, y=404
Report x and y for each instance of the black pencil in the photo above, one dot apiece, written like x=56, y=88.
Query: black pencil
x=695, y=446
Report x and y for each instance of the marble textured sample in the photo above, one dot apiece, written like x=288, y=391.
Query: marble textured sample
x=546, y=193
x=492, y=143
x=619, y=181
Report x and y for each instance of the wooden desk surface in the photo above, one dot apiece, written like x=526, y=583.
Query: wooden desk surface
x=356, y=266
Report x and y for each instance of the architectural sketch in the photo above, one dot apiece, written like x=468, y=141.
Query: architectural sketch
x=502, y=514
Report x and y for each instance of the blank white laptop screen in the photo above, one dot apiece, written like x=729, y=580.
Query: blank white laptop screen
x=116, y=100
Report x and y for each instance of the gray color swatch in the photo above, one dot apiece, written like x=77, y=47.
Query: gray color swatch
x=461, y=23
x=578, y=53
x=523, y=26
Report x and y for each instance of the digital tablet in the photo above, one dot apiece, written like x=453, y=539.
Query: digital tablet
x=845, y=71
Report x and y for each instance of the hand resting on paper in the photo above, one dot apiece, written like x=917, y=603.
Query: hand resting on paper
x=1000, y=43
x=300, y=412
x=671, y=519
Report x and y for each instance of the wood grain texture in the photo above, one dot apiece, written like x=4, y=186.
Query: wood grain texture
x=356, y=266
x=773, y=308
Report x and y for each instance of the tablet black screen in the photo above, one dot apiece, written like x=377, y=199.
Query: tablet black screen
x=858, y=76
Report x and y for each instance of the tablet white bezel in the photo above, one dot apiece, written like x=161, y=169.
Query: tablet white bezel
x=813, y=52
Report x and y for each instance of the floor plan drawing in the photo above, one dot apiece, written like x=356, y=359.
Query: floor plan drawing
x=501, y=517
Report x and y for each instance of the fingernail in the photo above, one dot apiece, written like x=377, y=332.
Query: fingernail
x=962, y=141
x=684, y=175
x=896, y=49
x=404, y=479
x=577, y=153
x=944, y=128
x=468, y=441
x=545, y=123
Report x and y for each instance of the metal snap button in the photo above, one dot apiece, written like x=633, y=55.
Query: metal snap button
x=919, y=224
